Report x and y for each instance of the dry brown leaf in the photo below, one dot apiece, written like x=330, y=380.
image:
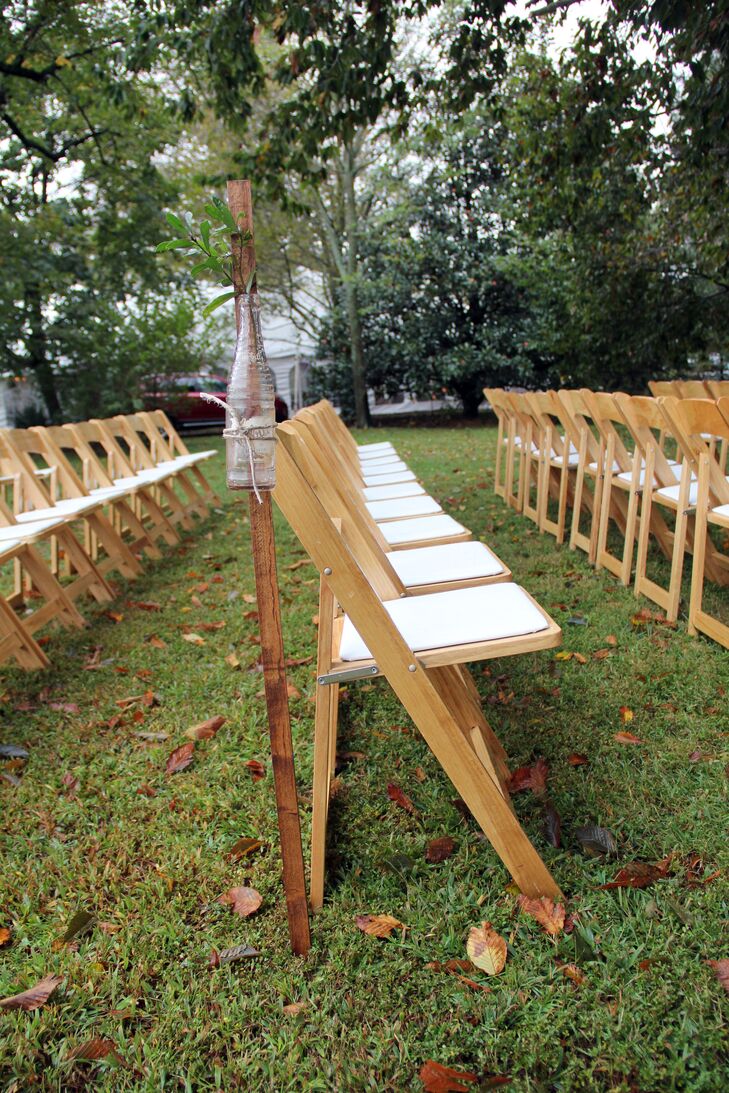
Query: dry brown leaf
x=580, y=658
x=627, y=738
x=33, y=998
x=244, y=901
x=205, y=730
x=94, y=1049
x=486, y=948
x=626, y=714
x=209, y=627
x=5, y=936
x=577, y=759
x=70, y=783
x=638, y=874
x=378, y=925
x=437, y=1078
x=194, y=639
x=232, y=660
x=396, y=794
x=547, y=913
x=721, y=969
x=571, y=971
x=145, y=605
x=156, y=642
x=292, y=692
x=242, y=848
x=439, y=850
x=256, y=769
x=611, y=639
x=247, y=598
x=533, y=778
x=293, y=1008
x=180, y=758
x=420, y=774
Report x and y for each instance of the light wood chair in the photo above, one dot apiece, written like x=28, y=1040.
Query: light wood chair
x=693, y=422
x=16, y=641
x=575, y=415
x=420, y=644
x=689, y=389
x=659, y=388
x=558, y=459
x=152, y=449
x=718, y=389
x=173, y=446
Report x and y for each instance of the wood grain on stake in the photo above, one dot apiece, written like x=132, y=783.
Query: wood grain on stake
x=272, y=652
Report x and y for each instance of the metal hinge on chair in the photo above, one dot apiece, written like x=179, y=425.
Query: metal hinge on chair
x=344, y=675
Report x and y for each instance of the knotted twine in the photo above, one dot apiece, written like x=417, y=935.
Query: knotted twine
x=243, y=429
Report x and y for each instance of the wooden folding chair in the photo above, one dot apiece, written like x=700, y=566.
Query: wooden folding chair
x=667, y=486
x=151, y=449
x=421, y=645
x=693, y=422
x=688, y=389
x=106, y=466
x=16, y=641
x=502, y=409
x=718, y=389
x=575, y=415
x=173, y=446
x=659, y=388
x=558, y=458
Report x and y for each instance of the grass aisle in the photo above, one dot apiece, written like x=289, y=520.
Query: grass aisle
x=97, y=824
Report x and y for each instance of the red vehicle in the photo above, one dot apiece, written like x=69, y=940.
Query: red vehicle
x=179, y=397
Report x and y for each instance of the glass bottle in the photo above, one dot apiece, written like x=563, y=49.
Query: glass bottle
x=250, y=426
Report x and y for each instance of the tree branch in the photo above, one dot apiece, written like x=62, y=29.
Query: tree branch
x=31, y=144
x=556, y=6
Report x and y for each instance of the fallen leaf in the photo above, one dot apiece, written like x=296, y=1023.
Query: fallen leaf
x=552, y=825
x=626, y=714
x=439, y=850
x=70, y=783
x=378, y=925
x=229, y=956
x=437, y=1078
x=611, y=639
x=627, y=738
x=577, y=759
x=80, y=924
x=396, y=794
x=596, y=841
x=232, y=660
x=33, y=998
x=244, y=901
x=145, y=790
x=533, y=778
x=156, y=642
x=5, y=936
x=580, y=658
x=243, y=848
x=420, y=774
x=205, y=730
x=145, y=605
x=247, y=598
x=298, y=565
x=153, y=737
x=456, y=968
x=256, y=769
x=637, y=874
x=486, y=948
x=292, y=692
x=571, y=971
x=64, y=707
x=114, y=616
x=194, y=639
x=721, y=970
x=209, y=627
x=94, y=1049
x=548, y=914
x=180, y=758
x=293, y=1008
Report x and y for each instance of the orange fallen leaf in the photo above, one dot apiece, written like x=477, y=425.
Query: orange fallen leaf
x=180, y=758
x=611, y=640
x=94, y=1049
x=205, y=730
x=378, y=925
x=637, y=874
x=626, y=714
x=243, y=848
x=294, y=1007
x=244, y=901
x=577, y=759
x=247, y=598
x=114, y=616
x=533, y=778
x=292, y=692
x=571, y=971
x=437, y=1078
x=5, y=935
x=156, y=642
x=210, y=626
x=548, y=914
x=33, y=998
x=580, y=658
x=486, y=948
x=627, y=738
x=420, y=774
x=256, y=769
x=396, y=794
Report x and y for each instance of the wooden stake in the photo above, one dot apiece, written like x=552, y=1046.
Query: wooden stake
x=272, y=650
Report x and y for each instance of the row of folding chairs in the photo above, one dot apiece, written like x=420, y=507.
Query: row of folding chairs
x=82, y=501
x=408, y=594
x=634, y=472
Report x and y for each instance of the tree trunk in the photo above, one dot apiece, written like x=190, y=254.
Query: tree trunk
x=38, y=352
x=359, y=384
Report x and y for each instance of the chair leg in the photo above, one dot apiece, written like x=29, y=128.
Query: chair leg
x=58, y=604
x=701, y=530
x=17, y=642
x=679, y=545
x=325, y=734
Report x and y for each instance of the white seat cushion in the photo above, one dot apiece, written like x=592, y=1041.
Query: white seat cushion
x=425, y=527
x=147, y=477
x=374, y=457
x=592, y=467
x=385, y=468
x=386, y=479
x=8, y=545
x=109, y=493
x=443, y=619
x=572, y=460
x=627, y=476
x=402, y=506
x=382, y=446
x=448, y=562
x=385, y=493
x=722, y=511
x=29, y=530
x=670, y=493
x=69, y=506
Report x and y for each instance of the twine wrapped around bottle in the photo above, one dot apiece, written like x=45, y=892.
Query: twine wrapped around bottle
x=242, y=429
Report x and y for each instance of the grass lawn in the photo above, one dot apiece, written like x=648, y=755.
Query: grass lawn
x=97, y=824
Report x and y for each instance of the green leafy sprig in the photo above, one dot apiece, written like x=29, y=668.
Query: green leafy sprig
x=211, y=240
